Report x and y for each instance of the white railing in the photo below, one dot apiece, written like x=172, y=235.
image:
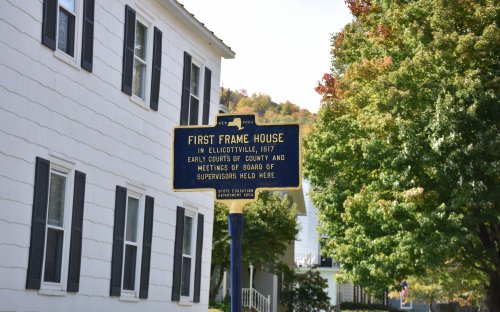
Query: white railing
x=254, y=300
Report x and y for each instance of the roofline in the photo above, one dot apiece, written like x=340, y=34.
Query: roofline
x=190, y=21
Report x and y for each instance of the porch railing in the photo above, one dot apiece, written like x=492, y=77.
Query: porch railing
x=252, y=299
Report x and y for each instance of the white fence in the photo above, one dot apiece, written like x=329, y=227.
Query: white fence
x=254, y=299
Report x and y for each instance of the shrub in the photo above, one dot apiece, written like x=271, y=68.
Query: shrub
x=358, y=306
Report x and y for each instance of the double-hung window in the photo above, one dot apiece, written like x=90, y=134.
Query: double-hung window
x=131, y=243
x=142, y=49
x=56, y=229
x=187, y=257
x=66, y=23
x=66, y=26
x=192, y=92
x=188, y=249
x=56, y=225
x=132, y=237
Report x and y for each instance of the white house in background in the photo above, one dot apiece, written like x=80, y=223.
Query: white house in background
x=90, y=91
x=308, y=256
x=261, y=287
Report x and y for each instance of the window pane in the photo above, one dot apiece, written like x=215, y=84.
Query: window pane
x=68, y=4
x=66, y=33
x=188, y=229
x=129, y=268
x=56, y=199
x=186, y=276
x=53, y=256
x=195, y=78
x=141, y=32
x=132, y=216
x=139, y=79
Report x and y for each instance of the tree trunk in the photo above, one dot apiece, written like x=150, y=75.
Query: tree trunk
x=214, y=290
x=431, y=302
x=493, y=294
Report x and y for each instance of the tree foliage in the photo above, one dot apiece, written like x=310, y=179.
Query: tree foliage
x=266, y=109
x=404, y=155
x=269, y=227
x=305, y=292
x=448, y=284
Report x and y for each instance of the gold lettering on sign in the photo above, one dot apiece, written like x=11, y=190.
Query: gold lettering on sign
x=268, y=138
x=233, y=138
x=201, y=139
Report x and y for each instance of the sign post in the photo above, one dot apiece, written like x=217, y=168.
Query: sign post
x=235, y=223
x=236, y=158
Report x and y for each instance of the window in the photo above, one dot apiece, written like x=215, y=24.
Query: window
x=191, y=93
x=131, y=233
x=195, y=80
x=56, y=229
x=66, y=26
x=132, y=236
x=139, y=82
x=61, y=21
x=187, y=256
x=141, y=58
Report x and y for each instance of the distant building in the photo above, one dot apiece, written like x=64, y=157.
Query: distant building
x=90, y=91
x=265, y=292
x=308, y=255
x=223, y=109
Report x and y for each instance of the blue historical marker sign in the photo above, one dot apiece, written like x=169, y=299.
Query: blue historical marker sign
x=236, y=156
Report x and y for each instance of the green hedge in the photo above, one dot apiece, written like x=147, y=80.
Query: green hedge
x=365, y=306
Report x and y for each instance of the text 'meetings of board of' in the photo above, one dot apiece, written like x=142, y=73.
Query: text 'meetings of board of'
x=236, y=157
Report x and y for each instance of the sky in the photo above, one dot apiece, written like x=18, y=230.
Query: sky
x=282, y=46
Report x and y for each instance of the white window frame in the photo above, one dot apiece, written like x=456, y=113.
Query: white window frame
x=196, y=64
x=77, y=44
x=192, y=213
x=146, y=19
x=64, y=169
x=201, y=86
x=138, y=194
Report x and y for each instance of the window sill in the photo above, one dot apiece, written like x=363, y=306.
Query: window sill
x=52, y=292
x=67, y=59
x=185, y=303
x=140, y=102
x=129, y=298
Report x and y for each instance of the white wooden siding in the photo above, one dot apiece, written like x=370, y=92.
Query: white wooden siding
x=49, y=107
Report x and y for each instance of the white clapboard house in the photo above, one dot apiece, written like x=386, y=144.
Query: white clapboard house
x=89, y=93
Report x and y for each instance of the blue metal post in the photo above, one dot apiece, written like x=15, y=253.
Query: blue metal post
x=235, y=234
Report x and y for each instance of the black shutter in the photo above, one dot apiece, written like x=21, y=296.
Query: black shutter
x=49, y=23
x=193, y=111
x=199, y=249
x=88, y=34
x=206, y=96
x=38, y=222
x=75, y=250
x=179, y=232
x=118, y=236
x=155, y=79
x=186, y=89
x=128, y=50
x=146, y=247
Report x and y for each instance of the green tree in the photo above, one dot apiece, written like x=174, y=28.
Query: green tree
x=260, y=103
x=404, y=156
x=305, y=292
x=288, y=108
x=449, y=284
x=230, y=98
x=270, y=226
x=266, y=109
